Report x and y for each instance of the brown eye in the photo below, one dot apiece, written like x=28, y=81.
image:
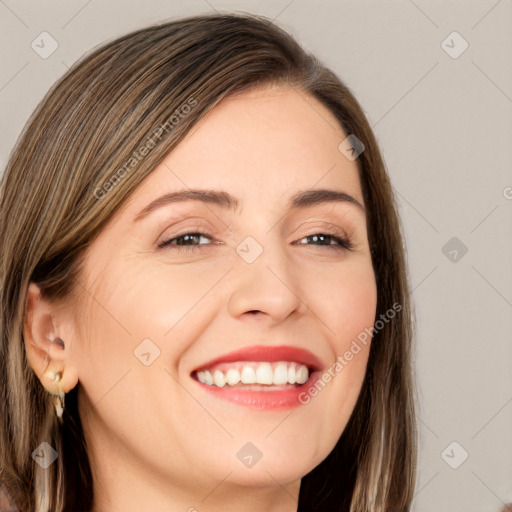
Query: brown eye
x=326, y=240
x=185, y=242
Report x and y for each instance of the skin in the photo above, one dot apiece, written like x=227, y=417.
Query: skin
x=156, y=440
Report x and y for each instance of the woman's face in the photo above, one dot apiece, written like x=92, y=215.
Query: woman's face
x=256, y=276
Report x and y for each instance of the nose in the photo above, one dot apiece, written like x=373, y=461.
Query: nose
x=267, y=289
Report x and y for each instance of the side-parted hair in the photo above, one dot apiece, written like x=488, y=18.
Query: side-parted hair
x=77, y=161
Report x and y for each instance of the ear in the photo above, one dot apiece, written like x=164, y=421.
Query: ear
x=46, y=346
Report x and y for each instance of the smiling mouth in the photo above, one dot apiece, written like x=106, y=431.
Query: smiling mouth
x=261, y=377
x=257, y=375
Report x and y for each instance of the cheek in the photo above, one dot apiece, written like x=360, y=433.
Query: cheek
x=353, y=316
x=135, y=309
x=347, y=308
x=345, y=299
x=135, y=301
x=353, y=311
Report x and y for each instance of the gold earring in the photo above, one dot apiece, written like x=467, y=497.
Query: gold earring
x=59, y=404
x=59, y=399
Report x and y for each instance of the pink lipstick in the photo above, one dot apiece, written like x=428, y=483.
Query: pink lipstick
x=260, y=377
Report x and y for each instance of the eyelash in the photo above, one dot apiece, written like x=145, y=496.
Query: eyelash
x=342, y=244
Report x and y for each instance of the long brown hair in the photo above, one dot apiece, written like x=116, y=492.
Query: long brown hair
x=63, y=183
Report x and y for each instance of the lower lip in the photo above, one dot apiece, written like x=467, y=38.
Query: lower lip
x=262, y=400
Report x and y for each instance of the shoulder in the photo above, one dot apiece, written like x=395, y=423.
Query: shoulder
x=12, y=499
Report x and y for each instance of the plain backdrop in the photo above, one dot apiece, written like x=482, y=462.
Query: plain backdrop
x=435, y=80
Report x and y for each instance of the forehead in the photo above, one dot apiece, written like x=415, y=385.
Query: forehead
x=261, y=146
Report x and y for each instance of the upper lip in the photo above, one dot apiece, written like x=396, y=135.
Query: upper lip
x=270, y=354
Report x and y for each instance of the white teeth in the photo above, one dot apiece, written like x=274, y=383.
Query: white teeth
x=264, y=374
x=291, y=374
x=302, y=374
x=219, y=379
x=277, y=374
x=232, y=377
x=248, y=375
x=205, y=377
x=280, y=374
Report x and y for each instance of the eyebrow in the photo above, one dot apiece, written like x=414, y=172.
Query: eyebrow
x=303, y=199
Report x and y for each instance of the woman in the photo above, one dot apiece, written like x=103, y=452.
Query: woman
x=205, y=303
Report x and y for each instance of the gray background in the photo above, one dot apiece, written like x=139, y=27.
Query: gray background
x=444, y=125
